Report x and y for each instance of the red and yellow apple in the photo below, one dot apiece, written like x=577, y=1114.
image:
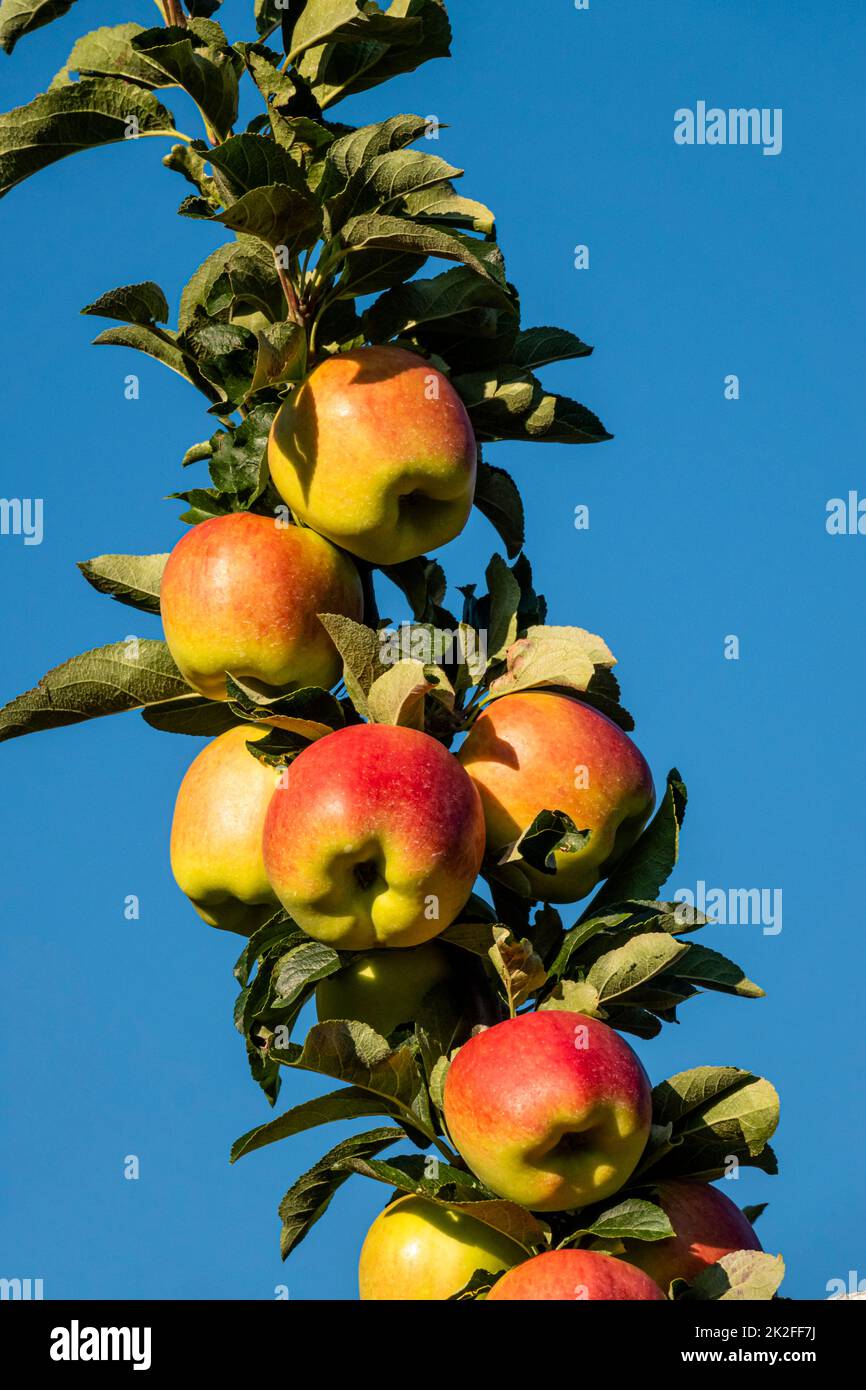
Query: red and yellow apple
x=540, y=751
x=216, y=834
x=375, y=450
x=417, y=1249
x=550, y=1109
x=374, y=837
x=581, y=1275
x=707, y=1225
x=241, y=594
x=386, y=988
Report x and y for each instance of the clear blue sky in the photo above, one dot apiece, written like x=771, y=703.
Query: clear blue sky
x=707, y=519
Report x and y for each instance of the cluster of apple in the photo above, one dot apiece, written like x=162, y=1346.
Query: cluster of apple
x=373, y=836
x=552, y=1111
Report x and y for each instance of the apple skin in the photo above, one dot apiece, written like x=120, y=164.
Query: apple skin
x=523, y=753
x=385, y=988
x=579, y=1275
x=216, y=833
x=708, y=1225
x=547, y=1114
x=416, y=1249
x=361, y=453
x=374, y=837
x=241, y=594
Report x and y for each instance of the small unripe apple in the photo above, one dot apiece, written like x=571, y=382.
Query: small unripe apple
x=540, y=751
x=550, y=1109
x=216, y=834
x=241, y=594
x=417, y=1249
x=374, y=837
x=578, y=1275
x=707, y=1225
x=375, y=450
x=385, y=988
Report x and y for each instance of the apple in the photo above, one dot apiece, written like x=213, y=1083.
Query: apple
x=386, y=988
x=417, y=1249
x=216, y=833
x=540, y=751
x=549, y=1109
x=707, y=1225
x=375, y=450
x=582, y=1275
x=374, y=837
x=241, y=594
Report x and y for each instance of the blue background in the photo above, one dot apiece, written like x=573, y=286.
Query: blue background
x=707, y=519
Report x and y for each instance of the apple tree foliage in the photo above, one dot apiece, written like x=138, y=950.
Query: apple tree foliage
x=331, y=237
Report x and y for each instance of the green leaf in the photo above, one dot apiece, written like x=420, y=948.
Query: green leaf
x=353, y=1053
x=550, y=832
x=133, y=579
x=21, y=17
x=224, y=354
x=716, y=1114
x=238, y=463
x=143, y=304
x=456, y=314
x=309, y=1197
x=650, y=861
x=321, y=21
x=108, y=52
x=279, y=215
x=397, y=695
x=360, y=649
x=742, y=1275
x=387, y=179
x=552, y=656
x=236, y=277
x=633, y=1219
x=567, y=962
x=282, y=356
x=508, y=402
x=351, y=152
x=107, y=680
x=348, y=1103
x=204, y=503
x=369, y=272
x=631, y=964
x=294, y=972
x=279, y=930
x=187, y=162
x=378, y=231
x=197, y=59
x=505, y=595
x=714, y=971
x=753, y=1213
x=190, y=714
x=440, y=203
x=572, y=997
x=411, y=33
x=246, y=162
x=518, y=966
x=82, y=115
x=497, y=498
x=308, y=710
x=535, y=347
